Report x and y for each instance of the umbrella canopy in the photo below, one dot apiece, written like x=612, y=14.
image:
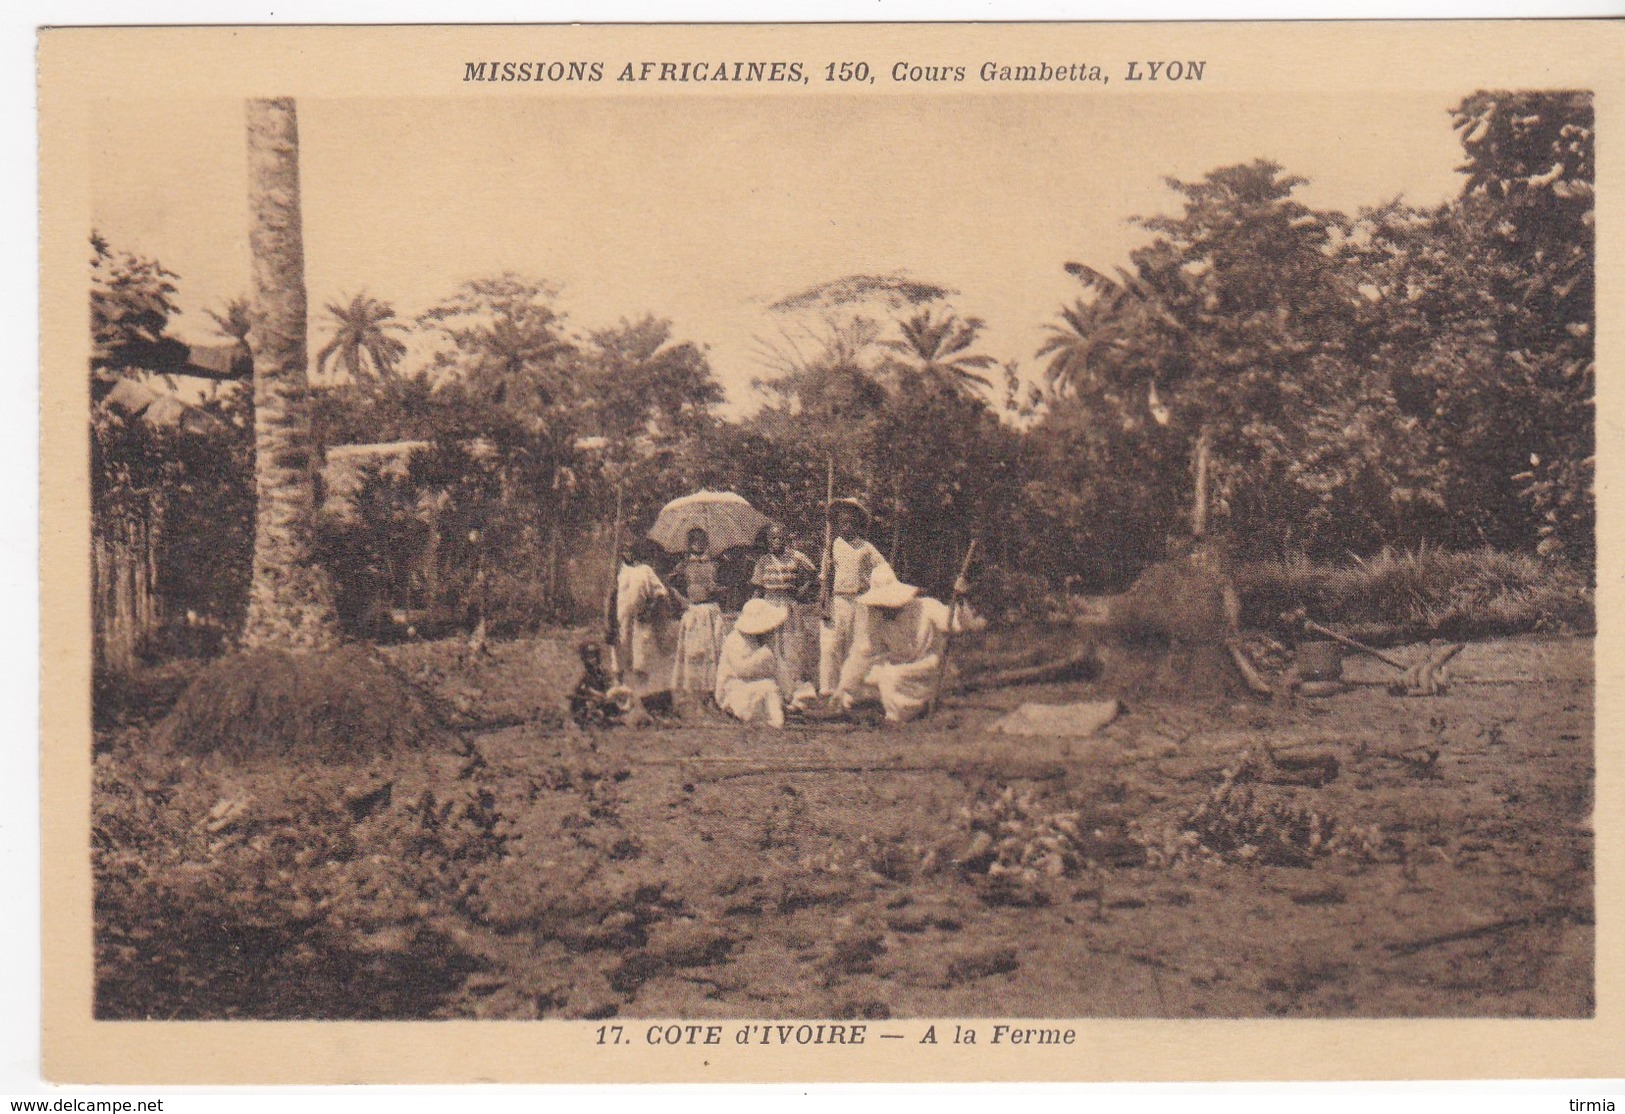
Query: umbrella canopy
x=727, y=519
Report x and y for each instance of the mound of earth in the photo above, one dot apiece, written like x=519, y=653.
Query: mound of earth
x=329, y=704
x=1166, y=634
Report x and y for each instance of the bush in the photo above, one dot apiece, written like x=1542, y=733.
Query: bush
x=515, y=604
x=1424, y=592
x=1006, y=594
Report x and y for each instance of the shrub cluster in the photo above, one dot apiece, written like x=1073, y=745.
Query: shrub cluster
x=1423, y=592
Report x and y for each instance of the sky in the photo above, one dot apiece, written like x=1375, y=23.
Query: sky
x=706, y=210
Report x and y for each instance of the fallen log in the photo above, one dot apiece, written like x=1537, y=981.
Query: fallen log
x=1313, y=771
x=1066, y=668
x=724, y=770
x=818, y=768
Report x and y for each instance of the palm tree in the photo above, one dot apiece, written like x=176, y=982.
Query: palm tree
x=362, y=342
x=290, y=604
x=1103, y=346
x=939, y=349
x=1087, y=349
x=1073, y=346
x=234, y=321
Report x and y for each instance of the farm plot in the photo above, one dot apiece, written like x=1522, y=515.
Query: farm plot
x=1360, y=856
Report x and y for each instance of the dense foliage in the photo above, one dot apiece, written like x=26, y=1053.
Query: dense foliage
x=1383, y=380
x=177, y=476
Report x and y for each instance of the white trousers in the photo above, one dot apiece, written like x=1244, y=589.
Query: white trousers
x=754, y=701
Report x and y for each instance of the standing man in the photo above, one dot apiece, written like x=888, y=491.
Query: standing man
x=854, y=563
x=646, y=635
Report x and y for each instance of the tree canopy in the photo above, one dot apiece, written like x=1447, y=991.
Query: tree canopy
x=1391, y=377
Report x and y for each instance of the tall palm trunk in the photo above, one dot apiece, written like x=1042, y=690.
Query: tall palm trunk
x=1204, y=447
x=290, y=602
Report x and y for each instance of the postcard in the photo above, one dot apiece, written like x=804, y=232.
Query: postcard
x=1042, y=551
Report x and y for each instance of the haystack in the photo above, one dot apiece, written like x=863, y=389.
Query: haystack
x=1167, y=633
x=338, y=705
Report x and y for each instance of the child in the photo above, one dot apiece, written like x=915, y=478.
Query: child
x=699, y=637
x=596, y=702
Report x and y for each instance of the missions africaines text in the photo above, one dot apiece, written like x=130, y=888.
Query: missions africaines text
x=763, y=72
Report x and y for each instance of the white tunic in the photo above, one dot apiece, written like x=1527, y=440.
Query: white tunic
x=853, y=568
x=752, y=681
x=648, y=637
x=895, y=660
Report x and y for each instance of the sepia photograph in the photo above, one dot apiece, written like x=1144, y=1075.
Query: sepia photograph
x=984, y=541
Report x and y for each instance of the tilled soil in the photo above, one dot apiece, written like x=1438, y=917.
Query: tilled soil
x=704, y=869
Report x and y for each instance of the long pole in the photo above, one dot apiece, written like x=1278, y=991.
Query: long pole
x=826, y=562
x=948, y=638
x=1327, y=632
x=1204, y=442
x=612, y=619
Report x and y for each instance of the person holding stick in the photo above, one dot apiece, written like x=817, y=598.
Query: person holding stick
x=612, y=622
x=899, y=647
x=646, y=635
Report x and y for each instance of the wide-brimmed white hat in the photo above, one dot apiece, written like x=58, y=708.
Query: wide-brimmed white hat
x=759, y=617
x=885, y=590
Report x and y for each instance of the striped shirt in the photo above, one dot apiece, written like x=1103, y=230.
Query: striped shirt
x=782, y=576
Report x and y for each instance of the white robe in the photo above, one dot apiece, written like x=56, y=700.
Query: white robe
x=896, y=660
x=648, y=638
x=752, y=681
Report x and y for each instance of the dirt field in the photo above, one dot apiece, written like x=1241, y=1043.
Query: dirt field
x=707, y=870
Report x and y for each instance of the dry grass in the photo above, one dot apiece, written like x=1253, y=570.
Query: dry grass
x=334, y=705
x=1183, y=600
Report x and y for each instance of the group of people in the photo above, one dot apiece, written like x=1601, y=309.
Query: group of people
x=793, y=648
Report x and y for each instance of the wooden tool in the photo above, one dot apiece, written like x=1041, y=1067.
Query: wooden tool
x=1315, y=628
x=948, y=639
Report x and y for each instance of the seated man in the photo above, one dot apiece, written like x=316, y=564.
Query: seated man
x=752, y=680
x=897, y=648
